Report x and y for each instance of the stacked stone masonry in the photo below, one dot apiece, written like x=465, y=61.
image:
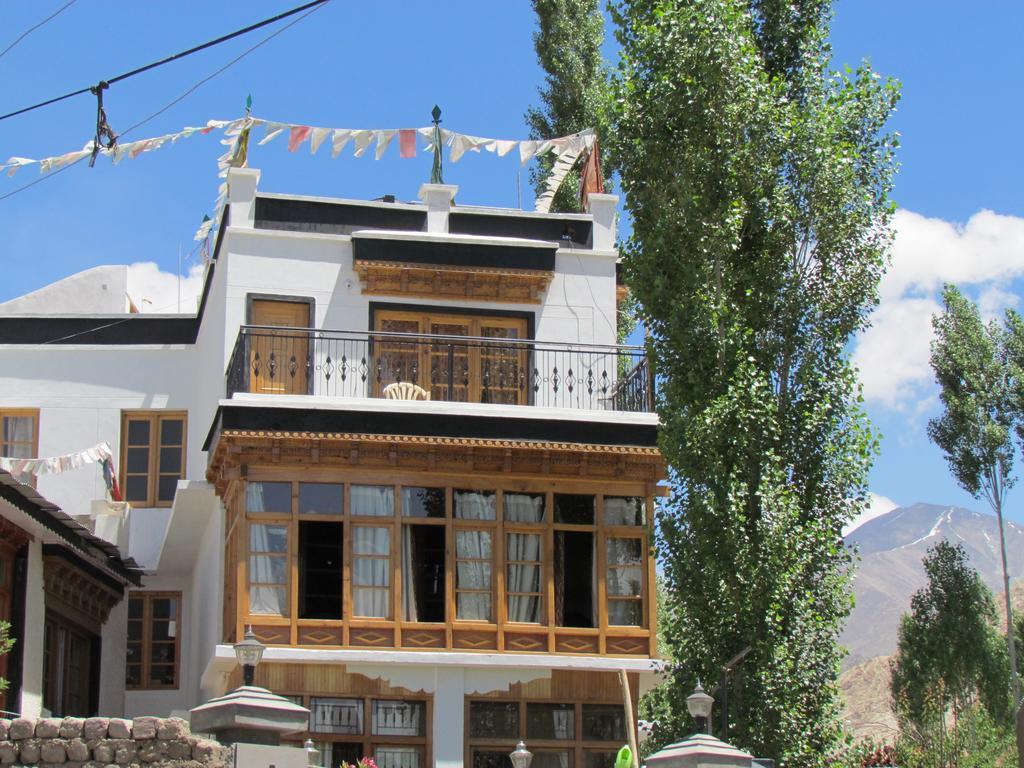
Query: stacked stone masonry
x=107, y=742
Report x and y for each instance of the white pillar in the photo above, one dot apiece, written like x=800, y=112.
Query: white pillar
x=242, y=196
x=35, y=617
x=602, y=208
x=449, y=709
x=112, y=660
x=438, y=199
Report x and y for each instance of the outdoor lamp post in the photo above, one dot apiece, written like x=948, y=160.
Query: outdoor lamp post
x=699, y=704
x=312, y=754
x=521, y=757
x=249, y=652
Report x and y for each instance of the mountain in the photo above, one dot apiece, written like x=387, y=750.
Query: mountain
x=891, y=549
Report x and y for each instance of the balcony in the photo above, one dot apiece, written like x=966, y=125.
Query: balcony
x=462, y=369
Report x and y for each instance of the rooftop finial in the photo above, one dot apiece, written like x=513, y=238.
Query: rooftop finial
x=435, y=172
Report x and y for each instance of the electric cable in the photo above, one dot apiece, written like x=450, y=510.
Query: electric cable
x=168, y=59
x=30, y=30
x=184, y=95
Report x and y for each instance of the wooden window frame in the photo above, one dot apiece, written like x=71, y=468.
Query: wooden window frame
x=474, y=322
x=147, y=596
x=577, y=746
x=33, y=413
x=454, y=633
x=153, y=474
x=367, y=740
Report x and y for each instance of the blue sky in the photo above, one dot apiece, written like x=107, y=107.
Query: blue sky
x=383, y=65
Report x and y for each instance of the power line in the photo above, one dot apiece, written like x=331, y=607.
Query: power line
x=169, y=59
x=184, y=95
x=30, y=30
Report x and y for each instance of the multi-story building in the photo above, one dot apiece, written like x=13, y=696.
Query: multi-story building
x=398, y=441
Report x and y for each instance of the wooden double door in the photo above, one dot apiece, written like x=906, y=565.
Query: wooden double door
x=470, y=358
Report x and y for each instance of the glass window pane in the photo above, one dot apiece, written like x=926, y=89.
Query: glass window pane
x=371, y=572
x=491, y=759
x=399, y=718
x=625, y=613
x=574, y=508
x=371, y=541
x=624, y=510
x=171, y=431
x=269, y=497
x=554, y=758
x=267, y=569
x=161, y=674
x=265, y=537
x=593, y=758
x=132, y=675
x=136, y=488
x=476, y=505
x=473, y=575
x=494, y=719
x=524, y=608
x=328, y=715
x=170, y=460
x=270, y=601
x=138, y=431
x=523, y=547
x=473, y=606
x=473, y=544
x=625, y=582
x=423, y=502
x=133, y=653
x=135, y=607
x=164, y=607
x=625, y=551
x=523, y=578
x=138, y=460
x=370, y=602
x=373, y=500
x=524, y=507
x=398, y=757
x=321, y=498
x=166, y=487
x=135, y=630
x=604, y=722
x=550, y=721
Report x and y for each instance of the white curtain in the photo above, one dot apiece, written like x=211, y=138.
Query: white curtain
x=524, y=508
x=524, y=576
x=474, y=505
x=371, y=567
x=397, y=757
x=473, y=572
x=373, y=500
x=268, y=568
x=398, y=718
x=254, y=501
x=18, y=442
x=409, y=610
x=624, y=510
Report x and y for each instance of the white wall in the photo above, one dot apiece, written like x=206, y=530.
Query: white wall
x=32, y=651
x=113, y=654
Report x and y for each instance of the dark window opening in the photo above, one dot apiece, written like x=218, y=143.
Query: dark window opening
x=320, y=559
x=423, y=593
x=574, y=579
x=574, y=508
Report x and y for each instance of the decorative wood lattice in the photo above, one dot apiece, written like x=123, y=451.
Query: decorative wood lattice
x=83, y=595
x=520, y=286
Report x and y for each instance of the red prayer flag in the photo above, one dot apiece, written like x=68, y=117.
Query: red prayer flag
x=591, y=179
x=297, y=135
x=407, y=142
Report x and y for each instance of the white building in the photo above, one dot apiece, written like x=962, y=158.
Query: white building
x=396, y=439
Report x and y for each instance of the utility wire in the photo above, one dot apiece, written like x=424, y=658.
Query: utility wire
x=169, y=59
x=184, y=95
x=30, y=30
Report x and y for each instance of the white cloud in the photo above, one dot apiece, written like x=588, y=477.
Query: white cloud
x=878, y=505
x=156, y=291
x=981, y=256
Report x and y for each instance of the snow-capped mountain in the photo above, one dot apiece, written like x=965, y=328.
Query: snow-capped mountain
x=890, y=571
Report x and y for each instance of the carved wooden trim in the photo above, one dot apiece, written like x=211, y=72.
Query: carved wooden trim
x=13, y=536
x=83, y=597
x=385, y=278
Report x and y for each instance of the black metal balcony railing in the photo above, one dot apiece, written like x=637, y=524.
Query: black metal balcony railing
x=299, y=361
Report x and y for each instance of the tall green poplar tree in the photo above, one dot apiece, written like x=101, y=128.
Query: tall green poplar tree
x=757, y=180
x=575, y=92
x=977, y=367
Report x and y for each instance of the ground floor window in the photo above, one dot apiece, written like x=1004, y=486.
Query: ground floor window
x=559, y=734
x=70, y=668
x=392, y=731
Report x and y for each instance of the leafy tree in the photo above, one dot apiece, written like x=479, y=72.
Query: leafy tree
x=757, y=180
x=978, y=385
x=575, y=93
x=6, y=643
x=949, y=656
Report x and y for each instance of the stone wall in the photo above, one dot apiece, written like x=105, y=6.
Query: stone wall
x=102, y=742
